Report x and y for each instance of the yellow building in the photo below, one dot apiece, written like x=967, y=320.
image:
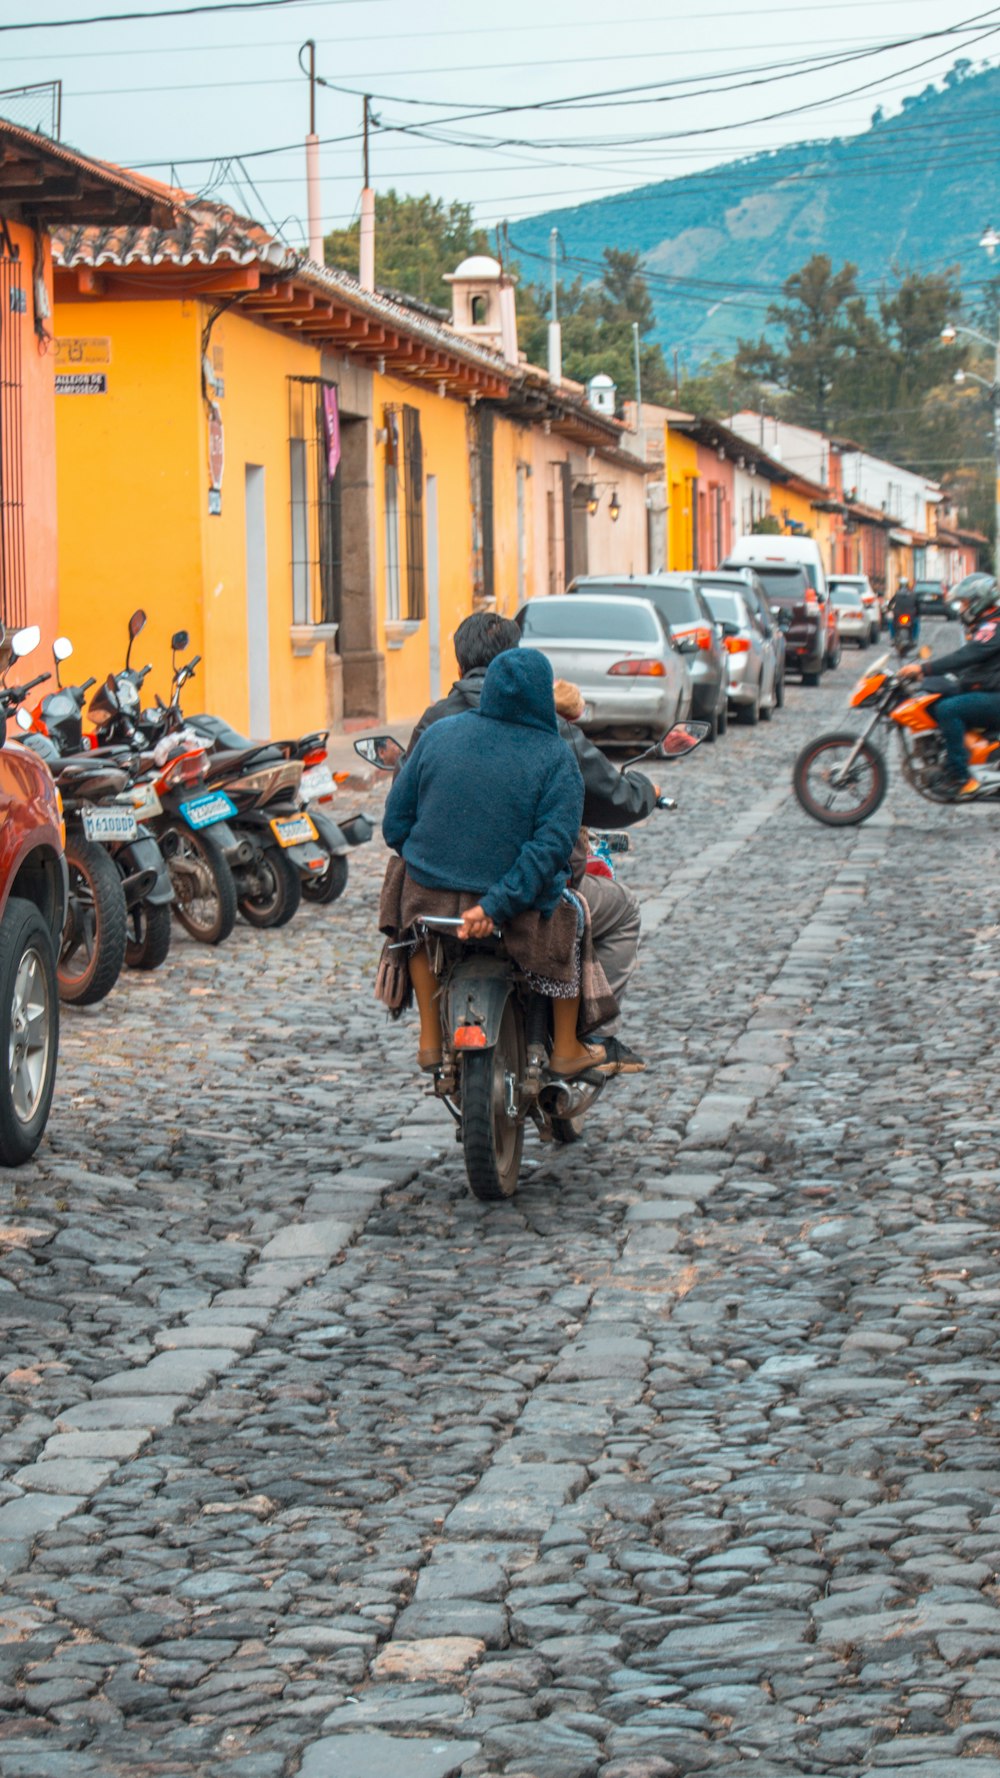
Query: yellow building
x=316, y=481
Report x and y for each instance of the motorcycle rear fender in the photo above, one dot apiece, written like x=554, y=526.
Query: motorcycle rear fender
x=308, y=859
x=144, y=854
x=330, y=836
x=477, y=991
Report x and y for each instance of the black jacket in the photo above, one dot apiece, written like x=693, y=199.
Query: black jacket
x=904, y=603
x=610, y=798
x=976, y=664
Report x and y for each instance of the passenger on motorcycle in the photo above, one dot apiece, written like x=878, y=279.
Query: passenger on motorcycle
x=904, y=604
x=487, y=806
x=611, y=799
x=970, y=683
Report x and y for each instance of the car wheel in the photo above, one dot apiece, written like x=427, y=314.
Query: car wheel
x=810, y=678
x=29, y=997
x=723, y=714
x=749, y=713
x=779, y=692
x=713, y=727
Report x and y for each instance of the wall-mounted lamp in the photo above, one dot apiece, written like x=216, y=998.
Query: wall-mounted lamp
x=753, y=469
x=615, y=508
x=380, y=365
x=721, y=453
x=592, y=500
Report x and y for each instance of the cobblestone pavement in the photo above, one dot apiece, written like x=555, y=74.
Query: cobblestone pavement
x=684, y=1461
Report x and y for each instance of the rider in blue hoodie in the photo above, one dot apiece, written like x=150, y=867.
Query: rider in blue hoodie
x=489, y=803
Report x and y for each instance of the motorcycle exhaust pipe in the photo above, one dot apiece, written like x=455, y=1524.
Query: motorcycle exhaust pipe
x=169, y=843
x=138, y=885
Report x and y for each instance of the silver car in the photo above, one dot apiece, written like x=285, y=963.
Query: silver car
x=753, y=667
x=856, y=622
x=621, y=655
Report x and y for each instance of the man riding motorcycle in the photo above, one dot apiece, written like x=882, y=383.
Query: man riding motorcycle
x=969, y=681
x=904, y=604
x=611, y=799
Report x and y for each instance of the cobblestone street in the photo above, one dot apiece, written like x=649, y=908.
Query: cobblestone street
x=684, y=1461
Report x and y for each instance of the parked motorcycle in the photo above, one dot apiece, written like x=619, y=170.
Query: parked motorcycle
x=191, y=829
x=114, y=828
x=494, y=1076
x=841, y=779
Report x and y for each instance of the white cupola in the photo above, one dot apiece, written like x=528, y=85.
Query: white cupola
x=602, y=392
x=482, y=304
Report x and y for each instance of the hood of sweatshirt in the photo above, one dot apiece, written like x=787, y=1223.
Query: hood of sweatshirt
x=518, y=688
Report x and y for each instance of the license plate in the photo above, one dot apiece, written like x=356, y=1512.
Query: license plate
x=109, y=824
x=203, y=811
x=144, y=803
x=317, y=782
x=293, y=830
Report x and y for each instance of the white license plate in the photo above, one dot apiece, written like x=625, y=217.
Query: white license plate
x=145, y=804
x=109, y=824
x=317, y=782
x=292, y=830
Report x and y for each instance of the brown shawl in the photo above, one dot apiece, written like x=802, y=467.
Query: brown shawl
x=544, y=947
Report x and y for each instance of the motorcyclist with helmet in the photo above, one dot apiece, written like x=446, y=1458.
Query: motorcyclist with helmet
x=903, y=604
x=969, y=681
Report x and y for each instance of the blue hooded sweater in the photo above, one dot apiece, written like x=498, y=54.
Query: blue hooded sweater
x=490, y=801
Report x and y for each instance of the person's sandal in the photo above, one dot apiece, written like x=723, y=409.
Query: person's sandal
x=429, y=1060
x=567, y=1067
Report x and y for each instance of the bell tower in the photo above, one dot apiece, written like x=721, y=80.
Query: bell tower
x=482, y=304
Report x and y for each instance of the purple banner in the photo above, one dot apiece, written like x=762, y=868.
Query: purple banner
x=331, y=421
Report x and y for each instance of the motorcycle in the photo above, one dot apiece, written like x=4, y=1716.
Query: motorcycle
x=192, y=829
x=494, y=1075
x=904, y=634
x=113, y=827
x=841, y=779
x=334, y=838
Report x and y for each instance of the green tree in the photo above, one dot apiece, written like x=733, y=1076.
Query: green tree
x=597, y=321
x=824, y=321
x=417, y=240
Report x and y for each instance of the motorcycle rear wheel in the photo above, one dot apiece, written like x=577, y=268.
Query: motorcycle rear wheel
x=863, y=792
x=149, y=930
x=93, y=941
x=491, y=1140
x=277, y=891
x=330, y=885
x=204, y=890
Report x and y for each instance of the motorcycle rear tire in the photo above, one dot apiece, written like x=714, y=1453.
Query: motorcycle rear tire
x=214, y=930
x=565, y=1131
x=149, y=933
x=99, y=916
x=829, y=817
x=328, y=887
x=280, y=902
x=491, y=1141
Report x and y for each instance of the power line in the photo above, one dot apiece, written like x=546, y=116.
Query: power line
x=168, y=12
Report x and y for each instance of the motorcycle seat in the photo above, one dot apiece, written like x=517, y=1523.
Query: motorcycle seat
x=225, y=764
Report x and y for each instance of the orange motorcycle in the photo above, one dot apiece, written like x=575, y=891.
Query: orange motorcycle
x=841, y=779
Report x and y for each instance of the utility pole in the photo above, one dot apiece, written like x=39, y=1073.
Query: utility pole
x=366, y=258
x=638, y=377
x=555, y=331
x=313, y=204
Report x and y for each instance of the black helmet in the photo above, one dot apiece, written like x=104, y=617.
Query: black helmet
x=981, y=593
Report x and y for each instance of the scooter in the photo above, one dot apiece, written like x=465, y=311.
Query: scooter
x=494, y=1076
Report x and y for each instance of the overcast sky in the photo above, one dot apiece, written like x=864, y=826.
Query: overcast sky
x=192, y=92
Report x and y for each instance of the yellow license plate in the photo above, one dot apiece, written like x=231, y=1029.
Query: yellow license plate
x=293, y=830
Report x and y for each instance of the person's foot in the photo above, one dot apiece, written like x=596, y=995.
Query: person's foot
x=620, y=1059
x=966, y=788
x=567, y=1067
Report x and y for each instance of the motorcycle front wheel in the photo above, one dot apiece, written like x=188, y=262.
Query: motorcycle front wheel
x=492, y=1138
x=833, y=795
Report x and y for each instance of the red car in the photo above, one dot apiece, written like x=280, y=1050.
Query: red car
x=32, y=910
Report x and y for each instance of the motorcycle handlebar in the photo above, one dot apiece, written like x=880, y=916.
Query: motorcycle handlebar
x=13, y=694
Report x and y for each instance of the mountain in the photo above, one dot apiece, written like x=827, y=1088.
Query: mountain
x=912, y=192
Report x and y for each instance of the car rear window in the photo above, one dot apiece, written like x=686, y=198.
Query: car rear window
x=589, y=620
x=846, y=595
x=783, y=586
x=726, y=608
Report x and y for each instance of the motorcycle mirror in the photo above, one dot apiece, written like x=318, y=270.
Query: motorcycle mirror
x=62, y=648
x=23, y=720
x=136, y=623
x=179, y=640
x=23, y=641
x=380, y=750
x=683, y=738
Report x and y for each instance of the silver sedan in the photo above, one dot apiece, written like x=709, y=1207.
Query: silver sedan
x=622, y=656
x=753, y=667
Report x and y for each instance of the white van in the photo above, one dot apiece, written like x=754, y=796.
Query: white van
x=761, y=549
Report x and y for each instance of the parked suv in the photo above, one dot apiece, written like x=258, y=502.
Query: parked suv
x=683, y=608
x=932, y=598
x=800, y=617
x=32, y=909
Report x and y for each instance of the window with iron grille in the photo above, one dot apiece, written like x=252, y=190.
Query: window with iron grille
x=315, y=502
x=13, y=570
x=413, y=494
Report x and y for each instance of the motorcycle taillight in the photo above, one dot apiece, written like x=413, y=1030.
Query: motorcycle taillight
x=188, y=769
x=315, y=757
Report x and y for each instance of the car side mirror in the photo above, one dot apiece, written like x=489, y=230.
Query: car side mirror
x=381, y=751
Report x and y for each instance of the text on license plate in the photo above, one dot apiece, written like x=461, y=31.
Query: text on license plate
x=316, y=782
x=202, y=811
x=109, y=824
x=292, y=830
